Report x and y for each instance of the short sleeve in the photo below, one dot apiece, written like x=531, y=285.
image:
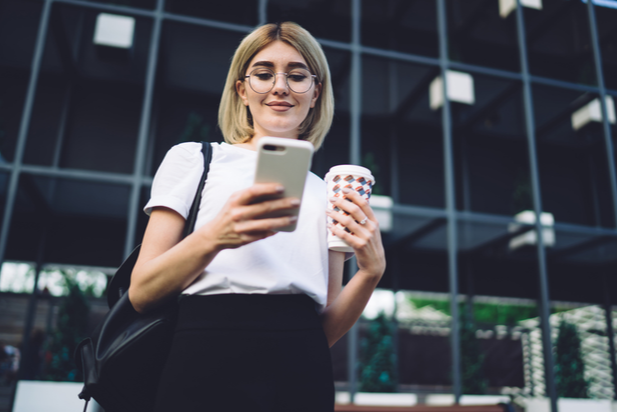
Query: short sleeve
x=177, y=179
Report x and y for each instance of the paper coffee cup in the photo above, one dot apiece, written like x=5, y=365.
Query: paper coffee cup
x=354, y=177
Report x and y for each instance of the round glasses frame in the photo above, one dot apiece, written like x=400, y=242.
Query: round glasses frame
x=313, y=76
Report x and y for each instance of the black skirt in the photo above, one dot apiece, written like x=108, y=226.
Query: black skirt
x=240, y=352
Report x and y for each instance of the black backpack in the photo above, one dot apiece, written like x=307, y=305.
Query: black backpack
x=123, y=360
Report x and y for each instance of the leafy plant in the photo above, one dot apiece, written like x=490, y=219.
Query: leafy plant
x=569, y=366
x=472, y=359
x=377, y=358
x=71, y=329
x=498, y=314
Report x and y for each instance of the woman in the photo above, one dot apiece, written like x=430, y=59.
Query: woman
x=259, y=308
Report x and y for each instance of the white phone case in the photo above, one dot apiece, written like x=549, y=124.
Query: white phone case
x=287, y=162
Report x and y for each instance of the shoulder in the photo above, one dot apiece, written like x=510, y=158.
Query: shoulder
x=184, y=151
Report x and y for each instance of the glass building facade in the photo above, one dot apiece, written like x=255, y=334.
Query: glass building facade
x=475, y=116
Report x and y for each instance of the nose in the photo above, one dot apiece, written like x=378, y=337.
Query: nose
x=280, y=84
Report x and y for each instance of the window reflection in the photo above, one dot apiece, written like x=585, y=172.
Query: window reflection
x=68, y=221
x=559, y=41
x=19, y=19
x=401, y=25
x=572, y=164
x=478, y=34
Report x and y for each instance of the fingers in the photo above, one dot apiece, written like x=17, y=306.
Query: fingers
x=254, y=218
x=357, y=212
x=256, y=226
x=259, y=190
x=264, y=208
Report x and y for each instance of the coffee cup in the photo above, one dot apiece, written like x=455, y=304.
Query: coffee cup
x=353, y=177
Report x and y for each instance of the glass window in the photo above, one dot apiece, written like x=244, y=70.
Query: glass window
x=401, y=135
x=235, y=11
x=478, y=34
x=607, y=36
x=335, y=149
x=89, y=97
x=328, y=19
x=418, y=274
x=559, y=41
x=492, y=171
x=68, y=222
x=572, y=161
x=498, y=275
x=19, y=25
x=401, y=25
x=193, y=66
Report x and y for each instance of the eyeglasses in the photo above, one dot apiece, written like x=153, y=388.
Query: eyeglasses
x=262, y=80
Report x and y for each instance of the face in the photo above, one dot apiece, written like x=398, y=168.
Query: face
x=279, y=112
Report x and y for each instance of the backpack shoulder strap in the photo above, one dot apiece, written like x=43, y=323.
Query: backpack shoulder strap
x=189, y=225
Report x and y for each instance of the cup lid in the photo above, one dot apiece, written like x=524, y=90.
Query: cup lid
x=350, y=170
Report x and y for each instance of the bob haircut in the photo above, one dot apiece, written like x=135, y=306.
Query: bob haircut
x=235, y=118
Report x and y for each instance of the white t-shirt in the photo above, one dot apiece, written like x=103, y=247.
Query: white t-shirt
x=286, y=263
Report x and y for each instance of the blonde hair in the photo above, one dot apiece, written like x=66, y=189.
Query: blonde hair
x=234, y=117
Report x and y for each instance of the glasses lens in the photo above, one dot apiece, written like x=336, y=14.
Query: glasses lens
x=261, y=80
x=299, y=80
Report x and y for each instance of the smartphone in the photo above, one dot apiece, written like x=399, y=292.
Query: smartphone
x=287, y=162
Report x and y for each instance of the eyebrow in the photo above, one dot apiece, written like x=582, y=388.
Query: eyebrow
x=291, y=65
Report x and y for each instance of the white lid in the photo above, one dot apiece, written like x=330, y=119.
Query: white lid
x=350, y=170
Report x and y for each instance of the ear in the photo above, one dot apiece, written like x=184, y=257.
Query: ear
x=316, y=94
x=241, y=90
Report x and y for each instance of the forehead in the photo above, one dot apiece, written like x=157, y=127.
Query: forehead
x=279, y=53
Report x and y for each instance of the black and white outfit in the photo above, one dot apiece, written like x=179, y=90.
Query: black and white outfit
x=249, y=335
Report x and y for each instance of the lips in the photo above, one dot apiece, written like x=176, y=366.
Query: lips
x=279, y=104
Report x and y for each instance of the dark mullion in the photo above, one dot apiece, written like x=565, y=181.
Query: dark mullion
x=24, y=127
x=142, y=139
x=605, y=125
x=450, y=203
x=355, y=158
x=537, y=202
x=611, y=169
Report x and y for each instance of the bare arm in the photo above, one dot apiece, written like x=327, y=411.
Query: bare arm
x=345, y=307
x=167, y=264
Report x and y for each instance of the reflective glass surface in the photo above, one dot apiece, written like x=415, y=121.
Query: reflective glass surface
x=327, y=19
x=559, y=41
x=19, y=19
x=571, y=158
x=479, y=34
x=234, y=11
x=401, y=25
x=68, y=221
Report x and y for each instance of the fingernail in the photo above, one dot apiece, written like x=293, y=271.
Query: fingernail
x=346, y=190
x=295, y=202
x=333, y=199
x=293, y=218
x=280, y=189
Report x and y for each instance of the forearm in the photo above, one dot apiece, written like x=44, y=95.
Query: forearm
x=167, y=275
x=346, y=309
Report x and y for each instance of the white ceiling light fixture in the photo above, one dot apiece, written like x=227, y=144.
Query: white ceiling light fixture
x=460, y=89
x=592, y=112
x=506, y=6
x=530, y=238
x=113, y=30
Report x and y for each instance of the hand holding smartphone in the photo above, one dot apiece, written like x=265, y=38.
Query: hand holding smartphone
x=287, y=162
